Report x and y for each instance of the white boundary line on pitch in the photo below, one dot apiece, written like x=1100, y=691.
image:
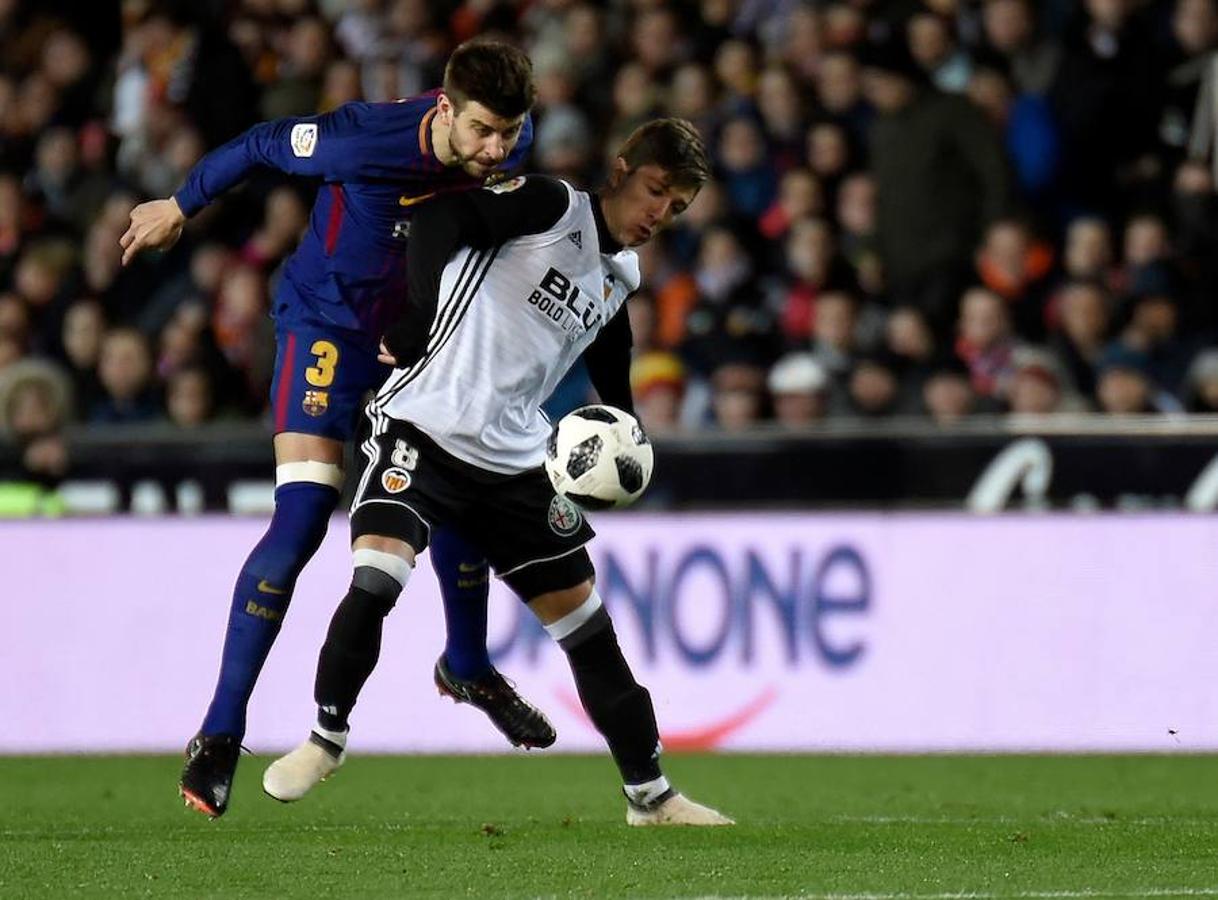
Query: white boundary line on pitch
x=994, y=895
x=1032, y=819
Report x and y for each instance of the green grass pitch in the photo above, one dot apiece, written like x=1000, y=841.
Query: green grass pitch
x=538, y=826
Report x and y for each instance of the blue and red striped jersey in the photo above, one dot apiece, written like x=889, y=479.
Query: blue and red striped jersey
x=377, y=162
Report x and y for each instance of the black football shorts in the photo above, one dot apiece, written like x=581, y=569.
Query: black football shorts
x=533, y=538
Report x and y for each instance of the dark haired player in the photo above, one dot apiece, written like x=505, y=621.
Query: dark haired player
x=340, y=289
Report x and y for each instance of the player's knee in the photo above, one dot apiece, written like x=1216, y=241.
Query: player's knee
x=554, y=587
x=581, y=623
x=381, y=576
x=298, y=526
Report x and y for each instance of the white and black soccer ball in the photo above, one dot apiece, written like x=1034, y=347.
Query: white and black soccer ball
x=598, y=457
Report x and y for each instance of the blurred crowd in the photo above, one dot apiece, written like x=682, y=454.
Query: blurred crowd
x=936, y=208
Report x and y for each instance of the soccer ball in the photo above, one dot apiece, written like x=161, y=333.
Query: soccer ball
x=598, y=457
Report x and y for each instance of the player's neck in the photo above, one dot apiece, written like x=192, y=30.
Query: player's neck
x=608, y=243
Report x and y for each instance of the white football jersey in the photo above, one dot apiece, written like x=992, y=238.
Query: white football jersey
x=510, y=323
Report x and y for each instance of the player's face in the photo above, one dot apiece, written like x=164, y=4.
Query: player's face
x=643, y=203
x=479, y=140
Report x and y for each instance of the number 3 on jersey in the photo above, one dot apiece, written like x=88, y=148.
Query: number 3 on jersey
x=322, y=374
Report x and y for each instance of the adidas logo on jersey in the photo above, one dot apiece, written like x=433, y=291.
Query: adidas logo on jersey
x=577, y=239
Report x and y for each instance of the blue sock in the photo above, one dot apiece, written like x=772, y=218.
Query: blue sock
x=464, y=583
x=263, y=592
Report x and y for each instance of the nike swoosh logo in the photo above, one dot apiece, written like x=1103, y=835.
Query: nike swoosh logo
x=466, y=567
x=411, y=201
x=265, y=588
x=707, y=737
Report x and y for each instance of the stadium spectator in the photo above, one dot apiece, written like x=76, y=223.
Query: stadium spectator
x=1016, y=267
x=855, y=211
x=1123, y=384
x=1085, y=313
x=693, y=95
x=940, y=176
x=125, y=371
x=189, y=397
x=839, y=90
x=1202, y=394
x=985, y=342
x=799, y=197
x=657, y=380
x=947, y=395
x=829, y=154
x=747, y=172
x=782, y=116
x=14, y=327
x=737, y=398
x=873, y=388
x=1010, y=33
x=298, y=90
x=932, y=43
x=84, y=326
x=812, y=268
x=911, y=351
x=1153, y=329
x=835, y=332
x=798, y=387
x=35, y=405
x=1036, y=384
x=1089, y=253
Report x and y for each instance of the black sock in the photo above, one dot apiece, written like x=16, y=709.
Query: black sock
x=619, y=706
x=352, y=647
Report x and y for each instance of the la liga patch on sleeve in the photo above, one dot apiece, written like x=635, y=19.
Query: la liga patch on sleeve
x=506, y=187
x=304, y=139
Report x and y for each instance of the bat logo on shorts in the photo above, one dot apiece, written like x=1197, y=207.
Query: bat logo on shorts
x=395, y=480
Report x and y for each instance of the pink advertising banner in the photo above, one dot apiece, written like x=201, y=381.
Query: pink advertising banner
x=753, y=632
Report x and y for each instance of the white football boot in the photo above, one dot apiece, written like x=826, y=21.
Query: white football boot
x=292, y=776
x=676, y=810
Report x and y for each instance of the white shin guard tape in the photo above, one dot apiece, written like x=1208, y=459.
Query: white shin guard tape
x=392, y=565
x=568, y=624
x=329, y=474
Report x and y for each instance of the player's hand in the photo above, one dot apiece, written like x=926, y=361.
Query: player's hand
x=404, y=343
x=155, y=225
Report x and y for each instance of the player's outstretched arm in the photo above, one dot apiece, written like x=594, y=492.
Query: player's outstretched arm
x=340, y=145
x=155, y=225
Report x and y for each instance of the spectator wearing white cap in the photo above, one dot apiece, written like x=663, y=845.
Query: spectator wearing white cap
x=798, y=384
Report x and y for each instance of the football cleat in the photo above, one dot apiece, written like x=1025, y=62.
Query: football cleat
x=207, y=776
x=521, y=722
x=292, y=776
x=675, y=809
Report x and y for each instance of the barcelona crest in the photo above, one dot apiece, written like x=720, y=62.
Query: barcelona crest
x=316, y=402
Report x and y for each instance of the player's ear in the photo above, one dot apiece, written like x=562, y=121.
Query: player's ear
x=618, y=173
x=444, y=108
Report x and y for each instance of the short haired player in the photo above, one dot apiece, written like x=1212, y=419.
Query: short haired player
x=508, y=287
